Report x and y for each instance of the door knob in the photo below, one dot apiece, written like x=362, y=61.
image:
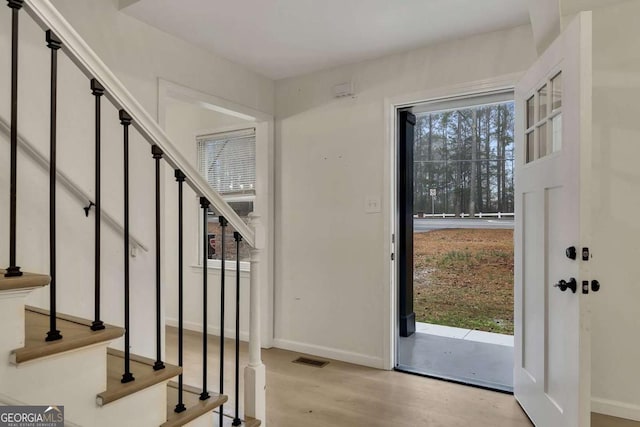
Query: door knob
x=564, y=285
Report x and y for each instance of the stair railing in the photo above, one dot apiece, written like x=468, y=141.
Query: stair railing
x=29, y=150
x=131, y=114
x=13, y=270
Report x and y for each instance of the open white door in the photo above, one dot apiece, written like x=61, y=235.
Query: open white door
x=553, y=142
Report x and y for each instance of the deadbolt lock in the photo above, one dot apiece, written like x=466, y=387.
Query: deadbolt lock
x=564, y=285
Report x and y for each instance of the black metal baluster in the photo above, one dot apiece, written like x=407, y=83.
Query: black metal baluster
x=54, y=44
x=97, y=90
x=180, y=177
x=157, y=156
x=238, y=239
x=125, y=121
x=13, y=270
x=204, y=203
x=223, y=231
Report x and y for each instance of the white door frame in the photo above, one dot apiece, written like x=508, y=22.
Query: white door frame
x=390, y=218
x=265, y=181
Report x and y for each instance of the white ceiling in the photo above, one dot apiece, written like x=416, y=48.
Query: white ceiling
x=283, y=38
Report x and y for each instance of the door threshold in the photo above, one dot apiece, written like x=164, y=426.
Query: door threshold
x=486, y=385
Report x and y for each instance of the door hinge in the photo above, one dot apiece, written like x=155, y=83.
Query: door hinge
x=392, y=257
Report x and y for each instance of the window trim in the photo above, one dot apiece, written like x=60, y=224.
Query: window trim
x=216, y=264
x=461, y=102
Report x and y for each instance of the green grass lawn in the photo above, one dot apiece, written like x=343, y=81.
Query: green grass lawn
x=464, y=278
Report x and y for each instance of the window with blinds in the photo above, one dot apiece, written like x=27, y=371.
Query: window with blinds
x=227, y=161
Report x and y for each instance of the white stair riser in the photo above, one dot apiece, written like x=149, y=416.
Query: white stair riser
x=71, y=379
x=205, y=420
x=12, y=319
x=147, y=407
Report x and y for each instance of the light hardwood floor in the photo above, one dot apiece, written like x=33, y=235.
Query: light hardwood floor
x=345, y=395
x=342, y=394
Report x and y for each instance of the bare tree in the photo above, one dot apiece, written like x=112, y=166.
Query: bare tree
x=474, y=157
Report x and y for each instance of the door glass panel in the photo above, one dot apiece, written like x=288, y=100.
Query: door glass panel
x=530, y=112
x=530, y=147
x=542, y=140
x=542, y=100
x=556, y=131
x=556, y=90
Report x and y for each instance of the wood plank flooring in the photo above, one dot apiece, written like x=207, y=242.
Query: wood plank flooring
x=345, y=395
x=599, y=420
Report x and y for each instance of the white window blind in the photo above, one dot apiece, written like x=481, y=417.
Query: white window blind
x=228, y=161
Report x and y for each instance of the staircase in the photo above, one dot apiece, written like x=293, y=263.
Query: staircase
x=86, y=365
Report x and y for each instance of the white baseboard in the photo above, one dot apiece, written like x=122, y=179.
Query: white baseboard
x=615, y=409
x=211, y=330
x=330, y=353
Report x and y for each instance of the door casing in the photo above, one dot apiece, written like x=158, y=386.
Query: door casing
x=392, y=105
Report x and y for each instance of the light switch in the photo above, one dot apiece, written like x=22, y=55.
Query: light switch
x=372, y=204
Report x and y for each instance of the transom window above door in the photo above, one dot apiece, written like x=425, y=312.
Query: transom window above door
x=543, y=134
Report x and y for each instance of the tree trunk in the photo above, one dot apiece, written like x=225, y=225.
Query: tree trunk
x=457, y=202
x=503, y=157
x=447, y=190
x=418, y=179
x=474, y=167
x=431, y=165
x=487, y=156
x=499, y=176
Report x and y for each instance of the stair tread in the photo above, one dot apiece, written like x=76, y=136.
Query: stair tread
x=142, y=370
x=251, y=422
x=27, y=280
x=75, y=332
x=191, y=399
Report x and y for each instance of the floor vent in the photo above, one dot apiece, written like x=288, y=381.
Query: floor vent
x=311, y=362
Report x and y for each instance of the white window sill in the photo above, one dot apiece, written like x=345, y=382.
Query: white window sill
x=230, y=265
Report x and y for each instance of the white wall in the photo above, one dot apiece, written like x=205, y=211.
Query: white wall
x=139, y=55
x=332, y=277
x=183, y=122
x=331, y=281
x=616, y=136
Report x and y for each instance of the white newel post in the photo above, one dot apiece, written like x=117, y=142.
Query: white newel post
x=254, y=373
